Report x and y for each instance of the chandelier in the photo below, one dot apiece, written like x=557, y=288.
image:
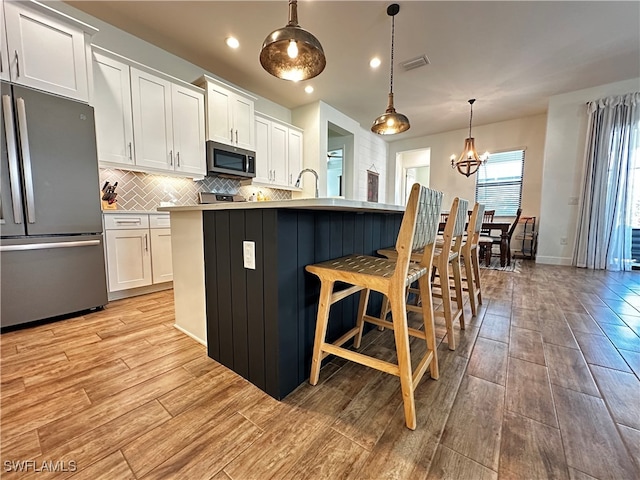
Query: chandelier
x=469, y=161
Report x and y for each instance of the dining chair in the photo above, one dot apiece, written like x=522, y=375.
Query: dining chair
x=487, y=242
x=364, y=273
x=487, y=218
x=470, y=254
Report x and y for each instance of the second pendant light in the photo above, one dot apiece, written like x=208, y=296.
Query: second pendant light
x=391, y=122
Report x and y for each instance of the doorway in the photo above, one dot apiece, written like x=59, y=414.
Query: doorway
x=412, y=166
x=335, y=183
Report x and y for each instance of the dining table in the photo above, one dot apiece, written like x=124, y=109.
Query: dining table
x=503, y=227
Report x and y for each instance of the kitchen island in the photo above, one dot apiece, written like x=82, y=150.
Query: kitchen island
x=260, y=321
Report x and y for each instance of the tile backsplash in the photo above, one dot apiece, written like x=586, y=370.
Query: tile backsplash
x=145, y=191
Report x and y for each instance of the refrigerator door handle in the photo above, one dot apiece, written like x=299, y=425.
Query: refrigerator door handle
x=43, y=246
x=26, y=159
x=12, y=152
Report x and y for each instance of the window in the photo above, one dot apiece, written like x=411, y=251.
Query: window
x=499, y=182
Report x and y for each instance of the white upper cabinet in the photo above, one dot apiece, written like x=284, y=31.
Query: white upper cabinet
x=278, y=153
x=152, y=120
x=294, y=154
x=145, y=121
x=279, y=149
x=112, y=106
x=188, y=130
x=229, y=114
x=4, y=53
x=263, y=150
x=47, y=50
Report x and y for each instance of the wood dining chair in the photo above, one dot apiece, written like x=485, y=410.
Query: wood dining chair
x=391, y=278
x=487, y=242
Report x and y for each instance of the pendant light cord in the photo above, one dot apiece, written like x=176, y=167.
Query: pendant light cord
x=393, y=29
x=470, y=118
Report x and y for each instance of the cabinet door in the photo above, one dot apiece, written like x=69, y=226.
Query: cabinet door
x=263, y=150
x=112, y=105
x=4, y=52
x=128, y=259
x=46, y=53
x=161, y=265
x=279, y=150
x=219, y=115
x=188, y=130
x=152, y=120
x=243, y=122
x=295, y=155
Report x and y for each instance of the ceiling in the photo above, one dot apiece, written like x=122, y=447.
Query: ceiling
x=510, y=56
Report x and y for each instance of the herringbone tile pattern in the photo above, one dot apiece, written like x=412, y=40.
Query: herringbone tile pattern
x=144, y=191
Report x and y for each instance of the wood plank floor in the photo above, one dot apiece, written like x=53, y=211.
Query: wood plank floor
x=543, y=384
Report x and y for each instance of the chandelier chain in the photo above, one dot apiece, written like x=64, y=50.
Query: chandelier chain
x=470, y=118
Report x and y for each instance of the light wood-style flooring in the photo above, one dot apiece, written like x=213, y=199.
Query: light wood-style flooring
x=543, y=384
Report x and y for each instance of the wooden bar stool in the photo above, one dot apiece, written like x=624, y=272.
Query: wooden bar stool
x=470, y=257
x=391, y=278
x=447, y=252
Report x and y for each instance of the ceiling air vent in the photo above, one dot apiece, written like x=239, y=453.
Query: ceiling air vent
x=420, y=61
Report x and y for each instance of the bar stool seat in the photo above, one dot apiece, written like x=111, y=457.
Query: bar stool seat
x=364, y=273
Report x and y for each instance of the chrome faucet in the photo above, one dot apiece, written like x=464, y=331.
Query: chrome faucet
x=314, y=173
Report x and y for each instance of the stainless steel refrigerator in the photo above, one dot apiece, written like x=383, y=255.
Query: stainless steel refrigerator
x=51, y=243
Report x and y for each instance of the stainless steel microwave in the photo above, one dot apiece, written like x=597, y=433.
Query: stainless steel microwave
x=227, y=161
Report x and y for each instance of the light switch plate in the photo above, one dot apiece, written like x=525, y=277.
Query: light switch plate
x=249, y=254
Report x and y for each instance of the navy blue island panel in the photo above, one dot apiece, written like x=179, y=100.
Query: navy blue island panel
x=261, y=323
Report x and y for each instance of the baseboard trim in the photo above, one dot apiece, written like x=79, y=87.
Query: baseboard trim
x=565, y=261
x=134, y=292
x=189, y=334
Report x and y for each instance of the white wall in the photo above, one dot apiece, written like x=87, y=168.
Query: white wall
x=564, y=166
x=528, y=132
x=368, y=150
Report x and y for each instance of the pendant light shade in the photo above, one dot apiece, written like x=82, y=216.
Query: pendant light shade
x=292, y=53
x=391, y=122
x=469, y=160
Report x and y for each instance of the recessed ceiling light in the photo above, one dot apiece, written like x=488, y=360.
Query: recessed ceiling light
x=232, y=42
x=308, y=89
x=375, y=62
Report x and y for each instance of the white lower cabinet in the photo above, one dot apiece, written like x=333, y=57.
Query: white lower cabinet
x=161, y=266
x=138, y=250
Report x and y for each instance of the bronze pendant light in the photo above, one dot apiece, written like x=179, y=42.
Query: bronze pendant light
x=391, y=122
x=469, y=160
x=292, y=53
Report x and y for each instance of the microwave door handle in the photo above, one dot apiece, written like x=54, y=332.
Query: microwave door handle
x=12, y=152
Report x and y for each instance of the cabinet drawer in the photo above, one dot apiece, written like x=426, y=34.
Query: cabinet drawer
x=158, y=220
x=125, y=221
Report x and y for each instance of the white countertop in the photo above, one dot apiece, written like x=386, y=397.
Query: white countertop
x=338, y=204
x=133, y=212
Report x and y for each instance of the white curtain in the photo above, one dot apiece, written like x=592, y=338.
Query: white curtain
x=613, y=143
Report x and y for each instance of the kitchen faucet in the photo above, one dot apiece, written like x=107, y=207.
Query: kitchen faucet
x=314, y=173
